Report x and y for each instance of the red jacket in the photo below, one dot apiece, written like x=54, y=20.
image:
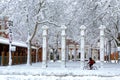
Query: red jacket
x=91, y=62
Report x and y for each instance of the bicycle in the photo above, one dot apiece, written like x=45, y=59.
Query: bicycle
x=86, y=67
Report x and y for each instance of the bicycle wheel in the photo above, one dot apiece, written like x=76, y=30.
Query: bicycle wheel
x=94, y=68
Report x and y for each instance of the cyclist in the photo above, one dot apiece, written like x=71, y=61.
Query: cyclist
x=91, y=62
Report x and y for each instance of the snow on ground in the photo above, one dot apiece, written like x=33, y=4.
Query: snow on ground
x=55, y=72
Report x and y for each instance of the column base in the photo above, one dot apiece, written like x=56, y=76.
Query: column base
x=44, y=64
x=28, y=64
x=82, y=64
x=101, y=64
x=10, y=62
x=63, y=64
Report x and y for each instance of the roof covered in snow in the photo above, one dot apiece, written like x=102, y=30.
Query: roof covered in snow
x=15, y=43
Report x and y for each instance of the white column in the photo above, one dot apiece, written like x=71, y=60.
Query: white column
x=63, y=46
x=102, y=36
x=44, y=51
x=82, y=33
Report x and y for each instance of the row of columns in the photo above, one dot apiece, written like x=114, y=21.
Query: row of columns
x=63, y=45
x=45, y=46
x=102, y=36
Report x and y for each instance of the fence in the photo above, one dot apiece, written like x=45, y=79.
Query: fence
x=16, y=59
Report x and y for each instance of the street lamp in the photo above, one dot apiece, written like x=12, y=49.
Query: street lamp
x=37, y=45
x=10, y=24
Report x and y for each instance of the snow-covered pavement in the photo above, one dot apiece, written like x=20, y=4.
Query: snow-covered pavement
x=55, y=72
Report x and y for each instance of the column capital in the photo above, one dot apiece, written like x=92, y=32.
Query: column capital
x=118, y=48
x=102, y=27
x=45, y=30
x=63, y=27
x=82, y=27
x=45, y=27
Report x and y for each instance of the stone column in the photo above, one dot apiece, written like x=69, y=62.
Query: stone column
x=44, y=51
x=102, y=36
x=63, y=46
x=82, y=48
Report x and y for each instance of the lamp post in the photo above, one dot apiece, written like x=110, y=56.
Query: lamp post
x=10, y=24
x=37, y=45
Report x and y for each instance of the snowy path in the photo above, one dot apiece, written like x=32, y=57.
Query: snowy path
x=30, y=77
x=55, y=72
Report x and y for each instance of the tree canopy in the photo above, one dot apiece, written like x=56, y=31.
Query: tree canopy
x=31, y=15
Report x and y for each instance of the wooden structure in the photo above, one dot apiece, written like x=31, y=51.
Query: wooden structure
x=19, y=56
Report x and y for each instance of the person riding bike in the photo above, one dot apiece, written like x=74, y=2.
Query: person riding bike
x=91, y=62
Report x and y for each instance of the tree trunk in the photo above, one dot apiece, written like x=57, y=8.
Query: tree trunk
x=29, y=53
